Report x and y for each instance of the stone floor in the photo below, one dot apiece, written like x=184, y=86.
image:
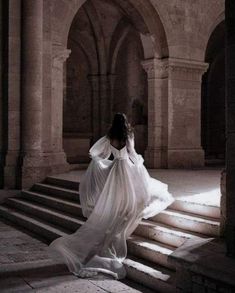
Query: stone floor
x=25, y=266
x=202, y=185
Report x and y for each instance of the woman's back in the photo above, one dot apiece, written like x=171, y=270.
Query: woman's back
x=117, y=143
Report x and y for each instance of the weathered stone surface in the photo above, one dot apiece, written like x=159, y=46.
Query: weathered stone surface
x=25, y=266
x=82, y=61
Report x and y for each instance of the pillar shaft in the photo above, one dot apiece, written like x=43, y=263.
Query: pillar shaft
x=32, y=41
x=94, y=82
x=110, y=99
x=13, y=96
x=230, y=126
x=155, y=155
x=60, y=55
x=104, y=109
x=2, y=151
x=184, y=108
x=39, y=159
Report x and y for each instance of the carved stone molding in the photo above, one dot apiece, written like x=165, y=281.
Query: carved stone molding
x=174, y=68
x=186, y=70
x=156, y=68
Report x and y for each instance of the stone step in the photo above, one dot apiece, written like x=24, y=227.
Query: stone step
x=164, y=233
x=57, y=191
x=63, y=205
x=64, y=183
x=190, y=222
x=197, y=208
x=79, y=166
x=150, y=250
x=150, y=275
x=140, y=271
x=35, y=225
x=47, y=214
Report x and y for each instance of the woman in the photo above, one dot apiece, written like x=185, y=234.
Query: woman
x=115, y=195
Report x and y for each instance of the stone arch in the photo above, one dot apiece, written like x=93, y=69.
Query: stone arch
x=145, y=19
x=212, y=28
x=97, y=30
x=214, y=19
x=64, y=12
x=213, y=97
x=119, y=36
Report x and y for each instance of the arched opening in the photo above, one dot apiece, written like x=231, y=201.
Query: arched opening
x=213, y=99
x=104, y=75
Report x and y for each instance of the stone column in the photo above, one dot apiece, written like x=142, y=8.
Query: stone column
x=13, y=86
x=104, y=110
x=32, y=40
x=2, y=155
x=94, y=81
x=184, y=118
x=230, y=131
x=60, y=55
x=32, y=75
x=157, y=71
x=111, y=83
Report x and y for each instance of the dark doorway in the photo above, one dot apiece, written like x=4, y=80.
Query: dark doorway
x=213, y=99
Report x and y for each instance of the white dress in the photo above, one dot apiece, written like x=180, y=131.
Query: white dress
x=115, y=195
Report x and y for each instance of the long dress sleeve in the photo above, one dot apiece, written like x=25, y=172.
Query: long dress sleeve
x=134, y=157
x=101, y=149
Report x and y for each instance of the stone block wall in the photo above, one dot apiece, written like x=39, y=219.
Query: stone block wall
x=168, y=31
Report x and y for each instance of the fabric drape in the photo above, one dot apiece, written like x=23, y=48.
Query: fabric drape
x=114, y=195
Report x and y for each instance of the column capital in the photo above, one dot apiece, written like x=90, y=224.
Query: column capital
x=156, y=68
x=186, y=69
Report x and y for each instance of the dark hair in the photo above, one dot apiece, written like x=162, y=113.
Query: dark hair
x=120, y=128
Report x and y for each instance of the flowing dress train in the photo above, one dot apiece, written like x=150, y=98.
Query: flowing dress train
x=115, y=195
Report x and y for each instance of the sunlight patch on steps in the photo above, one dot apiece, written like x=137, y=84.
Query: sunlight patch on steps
x=157, y=227
x=149, y=245
x=210, y=198
x=147, y=270
x=184, y=216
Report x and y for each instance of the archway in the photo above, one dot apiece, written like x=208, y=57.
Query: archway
x=213, y=99
x=141, y=19
x=108, y=41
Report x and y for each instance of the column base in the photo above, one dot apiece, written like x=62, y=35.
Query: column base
x=36, y=167
x=193, y=158
x=10, y=172
x=155, y=158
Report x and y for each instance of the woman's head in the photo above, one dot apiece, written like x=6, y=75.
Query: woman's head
x=120, y=128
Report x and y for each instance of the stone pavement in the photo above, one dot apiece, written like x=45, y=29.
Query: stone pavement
x=25, y=266
x=198, y=185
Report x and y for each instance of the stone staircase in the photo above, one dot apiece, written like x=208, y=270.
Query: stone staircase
x=51, y=209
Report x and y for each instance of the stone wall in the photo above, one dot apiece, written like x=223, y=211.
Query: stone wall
x=173, y=36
